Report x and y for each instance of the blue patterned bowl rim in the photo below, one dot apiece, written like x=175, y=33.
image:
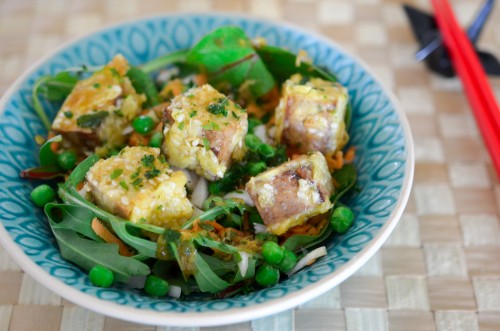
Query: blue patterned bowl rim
x=232, y=315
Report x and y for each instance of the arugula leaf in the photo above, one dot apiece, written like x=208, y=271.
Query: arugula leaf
x=143, y=84
x=47, y=155
x=88, y=253
x=78, y=174
x=71, y=217
x=228, y=57
x=206, y=278
x=145, y=247
x=218, y=266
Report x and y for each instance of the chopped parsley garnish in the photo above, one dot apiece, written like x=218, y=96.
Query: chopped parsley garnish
x=193, y=113
x=162, y=158
x=181, y=125
x=171, y=235
x=148, y=161
x=124, y=185
x=234, y=115
x=219, y=107
x=136, y=173
x=137, y=182
x=206, y=143
x=68, y=114
x=91, y=121
x=118, y=112
x=211, y=126
x=143, y=220
x=190, y=96
x=116, y=173
x=96, y=85
x=115, y=72
x=152, y=173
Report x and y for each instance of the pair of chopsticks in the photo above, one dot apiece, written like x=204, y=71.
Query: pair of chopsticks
x=474, y=79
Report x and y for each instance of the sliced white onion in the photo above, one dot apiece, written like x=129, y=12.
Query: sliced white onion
x=261, y=132
x=128, y=129
x=241, y=194
x=259, y=228
x=308, y=259
x=200, y=193
x=174, y=291
x=243, y=264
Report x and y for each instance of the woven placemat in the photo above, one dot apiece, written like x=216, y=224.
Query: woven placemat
x=439, y=270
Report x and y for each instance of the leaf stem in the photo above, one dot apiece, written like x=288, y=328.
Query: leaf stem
x=37, y=105
x=164, y=61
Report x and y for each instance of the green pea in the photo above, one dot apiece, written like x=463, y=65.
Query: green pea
x=42, y=195
x=266, y=150
x=67, y=160
x=342, y=219
x=256, y=168
x=289, y=261
x=155, y=286
x=252, y=123
x=252, y=142
x=272, y=253
x=143, y=124
x=101, y=276
x=267, y=275
x=156, y=139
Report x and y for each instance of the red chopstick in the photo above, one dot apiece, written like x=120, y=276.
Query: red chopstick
x=474, y=79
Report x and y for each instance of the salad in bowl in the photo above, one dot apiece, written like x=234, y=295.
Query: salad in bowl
x=214, y=170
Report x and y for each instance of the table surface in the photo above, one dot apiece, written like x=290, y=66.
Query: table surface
x=439, y=270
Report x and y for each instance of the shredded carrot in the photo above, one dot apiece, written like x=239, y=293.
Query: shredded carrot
x=137, y=139
x=109, y=237
x=350, y=154
x=200, y=79
x=335, y=161
x=54, y=146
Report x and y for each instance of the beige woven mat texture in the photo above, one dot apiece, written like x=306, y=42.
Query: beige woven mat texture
x=439, y=270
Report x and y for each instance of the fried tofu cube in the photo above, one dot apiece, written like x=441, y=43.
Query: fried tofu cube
x=204, y=131
x=100, y=107
x=310, y=115
x=292, y=193
x=138, y=185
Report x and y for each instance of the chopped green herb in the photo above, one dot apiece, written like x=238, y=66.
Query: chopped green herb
x=162, y=158
x=218, y=108
x=68, y=114
x=116, y=173
x=148, y=161
x=91, y=121
x=96, y=85
x=136, y=173
x=206, y=143
x=234, y=115
x=181, y=125
x=137, y=182
x=124, y=185
x=115, y=72
x=190, y=95
x=118, y=112
x=152, y=173
x=143, y=220
x=211, y=126
x=193, y=113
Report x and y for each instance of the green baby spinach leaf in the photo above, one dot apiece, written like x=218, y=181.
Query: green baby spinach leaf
x=227, y=56
x=47, y=155
x=344, y=180
x=282, y=64
x=300, y=241
x=92, y=121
